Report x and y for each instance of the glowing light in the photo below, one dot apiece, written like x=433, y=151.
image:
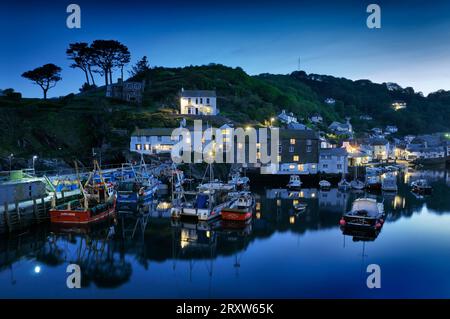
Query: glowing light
x=37, y=269
x=292, y=220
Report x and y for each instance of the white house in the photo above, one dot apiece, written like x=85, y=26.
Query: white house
x=424, y=152
x=198, y=102
x=379, y=148
x=365, y=117
x=330, y=101
x=333, y=161
x=152, y=141
x=341, y=128
x=160, y=141
x=391, y=129
x=399, y=105
x=316, y=118
x=287, y=118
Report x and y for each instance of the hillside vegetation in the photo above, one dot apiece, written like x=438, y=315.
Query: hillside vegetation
x=70, y=126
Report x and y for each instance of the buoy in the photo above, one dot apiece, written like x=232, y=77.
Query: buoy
x=342, y=222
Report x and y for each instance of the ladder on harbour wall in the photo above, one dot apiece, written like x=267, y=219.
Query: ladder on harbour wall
x=16, y=217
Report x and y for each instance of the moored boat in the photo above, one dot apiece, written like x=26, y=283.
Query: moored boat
x=300, y=207
x=294, y=182
x=421, y=186
x=324, y=184
x=240, y=209
x=365, y=213
x=357, y=184
x=97, y=204
x=389, y=183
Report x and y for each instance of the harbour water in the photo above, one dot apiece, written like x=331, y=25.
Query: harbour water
x=279, y=254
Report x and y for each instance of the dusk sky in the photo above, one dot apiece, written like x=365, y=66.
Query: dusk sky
x=412, y=48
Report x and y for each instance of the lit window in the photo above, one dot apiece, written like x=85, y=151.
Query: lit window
x=147, y=147
x=278, y=158
x=138, y=147
x=292, y=141
x=296, y=158
x=292, y=166
x=240, y=146
x=300, y=167
x=258, y=155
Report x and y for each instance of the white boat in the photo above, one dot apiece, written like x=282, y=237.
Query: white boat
x=357, y=184
x=324, y=184
x=300, y=207
x=294, y=182
x=389, y=183
x=365, y=213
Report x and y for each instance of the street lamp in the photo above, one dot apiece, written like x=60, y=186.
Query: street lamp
x=34, y=160
x=10, y=160
x=271, y=121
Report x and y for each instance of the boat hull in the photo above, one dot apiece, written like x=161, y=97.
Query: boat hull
x=81, y=217
x=236, y=214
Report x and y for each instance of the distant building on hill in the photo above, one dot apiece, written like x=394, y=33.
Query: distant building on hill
x=399, y=105
x=287, y=118
x=330, y=101
x=391, y=129
x=128, y=91
x=198, y=102
x=341, y=128
x=316, y=118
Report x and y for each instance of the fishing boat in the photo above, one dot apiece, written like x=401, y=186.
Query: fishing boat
x=240, y=209
x=389, y=183
x=141, y=186
x=421, y=186
x=365, y=213
x=294, y=182
x=207, y=202
x=96, y=205
x=240, y=182
x=324, y=184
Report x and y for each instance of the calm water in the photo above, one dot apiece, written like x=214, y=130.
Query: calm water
x=278, y=255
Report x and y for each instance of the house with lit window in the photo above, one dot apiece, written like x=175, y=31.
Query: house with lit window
x=152, y=141
x=333, y=161
x=298, y=153
x=198, y=102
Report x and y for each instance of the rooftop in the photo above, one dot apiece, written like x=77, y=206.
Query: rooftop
x=198, y=93
x=333, y=151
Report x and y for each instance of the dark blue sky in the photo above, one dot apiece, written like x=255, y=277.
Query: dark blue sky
x=412, y=48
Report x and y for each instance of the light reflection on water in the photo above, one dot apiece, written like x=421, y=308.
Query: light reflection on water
x=279, y=254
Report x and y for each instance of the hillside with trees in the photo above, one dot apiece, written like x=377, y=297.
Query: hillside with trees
x=70, y=126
